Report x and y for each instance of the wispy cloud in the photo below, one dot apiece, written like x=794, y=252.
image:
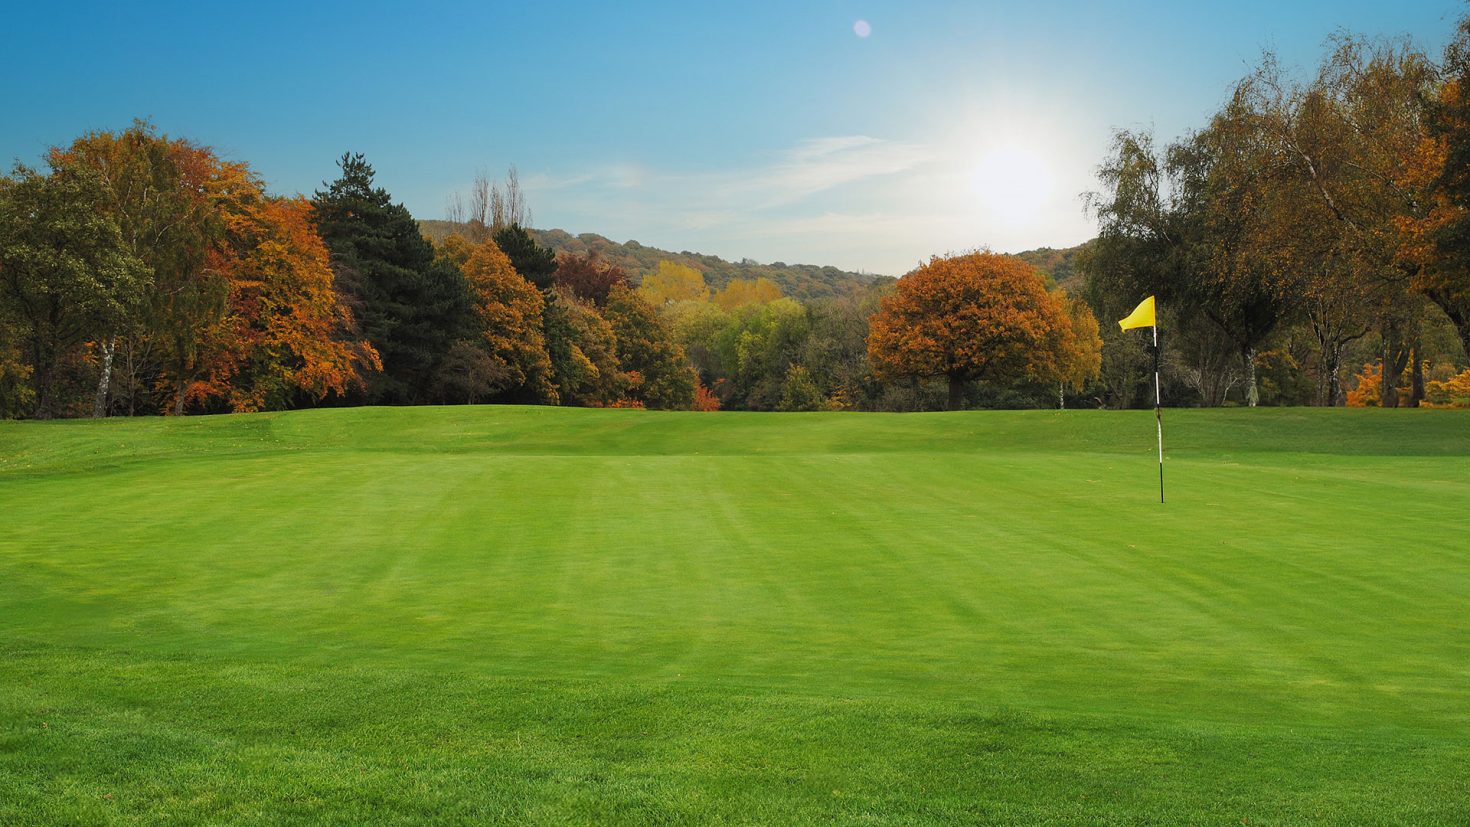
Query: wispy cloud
x=852, y=200
x=822, y=164
x=811, y=167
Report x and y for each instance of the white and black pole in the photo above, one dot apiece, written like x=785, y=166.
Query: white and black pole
x=1159, y=411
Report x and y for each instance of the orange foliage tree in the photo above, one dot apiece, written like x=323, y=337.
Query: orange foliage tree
x=508, y=310
x=288, y=330
x=980, y=316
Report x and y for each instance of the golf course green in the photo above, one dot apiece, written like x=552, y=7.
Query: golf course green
x=542, y=615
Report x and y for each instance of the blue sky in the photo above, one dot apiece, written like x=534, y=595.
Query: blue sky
x=765, y=130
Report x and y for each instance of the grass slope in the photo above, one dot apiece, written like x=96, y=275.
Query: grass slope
x=544, y=615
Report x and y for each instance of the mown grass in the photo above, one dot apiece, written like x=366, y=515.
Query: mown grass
x=544, y=615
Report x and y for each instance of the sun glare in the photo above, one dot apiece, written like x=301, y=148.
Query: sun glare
x=1013, y=183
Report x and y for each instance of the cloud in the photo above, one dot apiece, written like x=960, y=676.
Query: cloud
x=809, y=168
x=816, y=166
x=854, y=201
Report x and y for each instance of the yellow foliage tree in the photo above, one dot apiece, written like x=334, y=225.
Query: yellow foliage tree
x=1453, y=392
x=741, y=292
x=673, y=282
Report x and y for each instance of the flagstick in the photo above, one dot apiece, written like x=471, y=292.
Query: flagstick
x=1159, y=412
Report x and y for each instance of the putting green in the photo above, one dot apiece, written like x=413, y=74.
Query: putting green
x=539, y=614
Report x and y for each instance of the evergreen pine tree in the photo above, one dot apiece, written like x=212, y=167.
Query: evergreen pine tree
x=535, y=263
x=411, y=308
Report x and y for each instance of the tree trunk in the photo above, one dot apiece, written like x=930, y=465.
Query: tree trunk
x=1061, y=396
x=1394, y=362
x=1334, y=375
x=179, y=398
x=1416, y=378
x=956, y=394
x=41, y=377
x=1252, y=393
x=1459, y=315
x=99, y=408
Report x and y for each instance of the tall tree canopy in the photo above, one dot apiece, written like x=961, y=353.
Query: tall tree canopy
x=290, y=333
x=164, y=194
x=1445, y=277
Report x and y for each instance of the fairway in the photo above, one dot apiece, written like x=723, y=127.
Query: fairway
x=505, y=614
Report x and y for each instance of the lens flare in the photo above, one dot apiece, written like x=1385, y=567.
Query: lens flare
x=861, y=28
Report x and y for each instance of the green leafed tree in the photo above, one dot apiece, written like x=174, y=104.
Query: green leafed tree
x=164, y=195
x=583, y=351
x=658, y=369
x=799, y=392
x=66, y=275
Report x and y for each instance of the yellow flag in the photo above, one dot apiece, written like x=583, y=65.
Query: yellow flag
x=1142, y=315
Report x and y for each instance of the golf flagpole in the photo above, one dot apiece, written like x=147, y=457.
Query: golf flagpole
x=1144, y=316
x=1158, y=410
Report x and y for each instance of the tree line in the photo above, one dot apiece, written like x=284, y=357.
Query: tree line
x=143, y=274
x=1310, y=244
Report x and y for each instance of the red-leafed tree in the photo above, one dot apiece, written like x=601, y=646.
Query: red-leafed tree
x=587, y=277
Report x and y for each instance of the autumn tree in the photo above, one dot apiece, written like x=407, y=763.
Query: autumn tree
x=508, y=317
x=410, y=307
x=587, y=277
x=1234, y=275
x=673, y=282
x=583, y=351
x=1080, y=352
x=979, y=316
x=290, y=333
x=66, y=274
x=1348, y=139
x=164, y=194
x=740, y=292
x=1446, y=155
x=657, y=367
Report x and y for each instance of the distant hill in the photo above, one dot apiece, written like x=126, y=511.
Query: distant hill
x=801, y=281
x=1059, y=264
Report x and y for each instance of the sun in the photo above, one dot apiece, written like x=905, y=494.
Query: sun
x=1013, y=183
